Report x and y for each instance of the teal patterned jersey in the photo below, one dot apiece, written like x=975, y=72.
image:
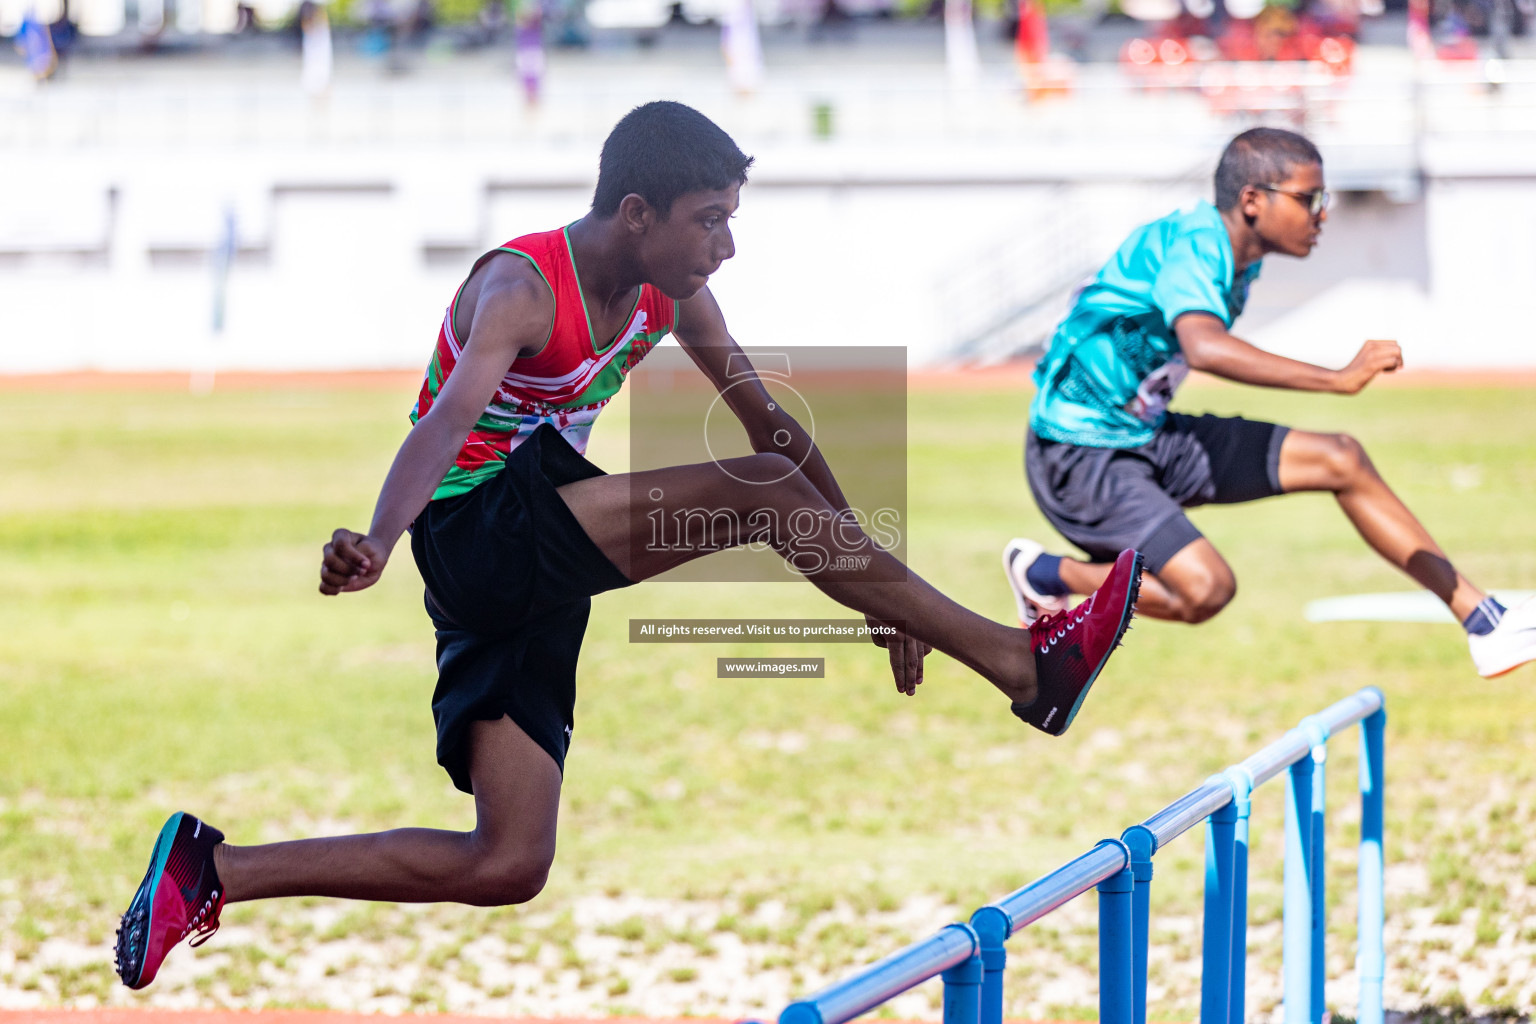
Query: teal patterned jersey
x=1114, y=363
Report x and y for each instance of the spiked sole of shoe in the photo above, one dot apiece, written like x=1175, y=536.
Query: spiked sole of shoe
x=133, y=931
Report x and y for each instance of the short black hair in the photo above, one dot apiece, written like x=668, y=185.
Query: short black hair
x=662, y=150
x=1260, y=156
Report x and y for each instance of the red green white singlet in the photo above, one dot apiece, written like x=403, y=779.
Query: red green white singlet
x=566, y=385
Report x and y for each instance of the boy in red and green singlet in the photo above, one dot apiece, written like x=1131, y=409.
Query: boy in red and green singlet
x=514, y=532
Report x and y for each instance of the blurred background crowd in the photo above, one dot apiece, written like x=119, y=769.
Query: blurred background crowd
x=300, y=184
x=1142, y=34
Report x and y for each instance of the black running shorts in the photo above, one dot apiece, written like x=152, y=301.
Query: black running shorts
x=1105, y=500
x=510, y=574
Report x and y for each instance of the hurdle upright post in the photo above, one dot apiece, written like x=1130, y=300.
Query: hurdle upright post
x=1319, y=874
x=992, y=930
x=1216, y=966
x=1242, y=803
x=1371, y=949
x=1117, y=1001
x=1141, y=843
x=1297, y=940
x=962, y=992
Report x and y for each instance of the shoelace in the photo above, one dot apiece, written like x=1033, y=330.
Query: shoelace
x=201, y=926
x=1059, y=624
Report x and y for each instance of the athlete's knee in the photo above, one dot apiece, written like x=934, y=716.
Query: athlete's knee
x=770, y=482
x=1344, y=459
x=778, y=505
x=507, y=873
x=1202, y=597
x=502, y=880
x=1213, y=600
x=763, y=469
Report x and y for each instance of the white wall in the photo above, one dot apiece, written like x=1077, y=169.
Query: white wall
x=1451, y=277
x=102, y=268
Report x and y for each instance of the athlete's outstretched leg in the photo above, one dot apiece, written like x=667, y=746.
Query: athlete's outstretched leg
x=1338, y=463
x=1500, y=639
x=756, y=498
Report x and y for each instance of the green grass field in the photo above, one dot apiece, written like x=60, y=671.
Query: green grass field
x=164, y=647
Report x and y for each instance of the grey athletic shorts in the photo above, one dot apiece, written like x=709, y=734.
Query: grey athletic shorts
x=1105, y=500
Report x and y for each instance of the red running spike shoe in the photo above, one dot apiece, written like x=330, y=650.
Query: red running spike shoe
x=180, y=896
x=1071, y=647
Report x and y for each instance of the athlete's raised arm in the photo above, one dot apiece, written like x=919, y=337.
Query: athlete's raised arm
x=1208, y=345
x=512, y=309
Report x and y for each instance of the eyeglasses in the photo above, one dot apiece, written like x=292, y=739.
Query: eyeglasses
x=1317, y=201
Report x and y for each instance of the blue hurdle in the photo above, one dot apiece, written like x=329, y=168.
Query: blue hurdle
x=970, y=957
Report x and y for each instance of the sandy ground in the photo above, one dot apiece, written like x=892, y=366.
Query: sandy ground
x=426, y=964
x=153, y=1016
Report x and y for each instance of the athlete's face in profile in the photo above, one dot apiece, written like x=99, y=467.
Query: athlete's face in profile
x=1288, y=216
x=682, y=249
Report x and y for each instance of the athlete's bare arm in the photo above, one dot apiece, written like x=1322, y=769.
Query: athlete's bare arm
x=512, y=309
x=1209, y=346
x=701, y=331
x=703, y=335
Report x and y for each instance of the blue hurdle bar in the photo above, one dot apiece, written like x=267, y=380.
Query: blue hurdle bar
x=950, y=947
x=971, y=958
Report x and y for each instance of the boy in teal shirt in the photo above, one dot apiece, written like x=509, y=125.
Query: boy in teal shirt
x=1111, y=467
x=1115, y=361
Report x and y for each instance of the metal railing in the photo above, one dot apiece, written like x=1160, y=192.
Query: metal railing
x=970, y=957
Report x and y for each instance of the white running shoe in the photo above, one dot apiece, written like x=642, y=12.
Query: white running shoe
x=1511, y=644
x=1018, y=556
